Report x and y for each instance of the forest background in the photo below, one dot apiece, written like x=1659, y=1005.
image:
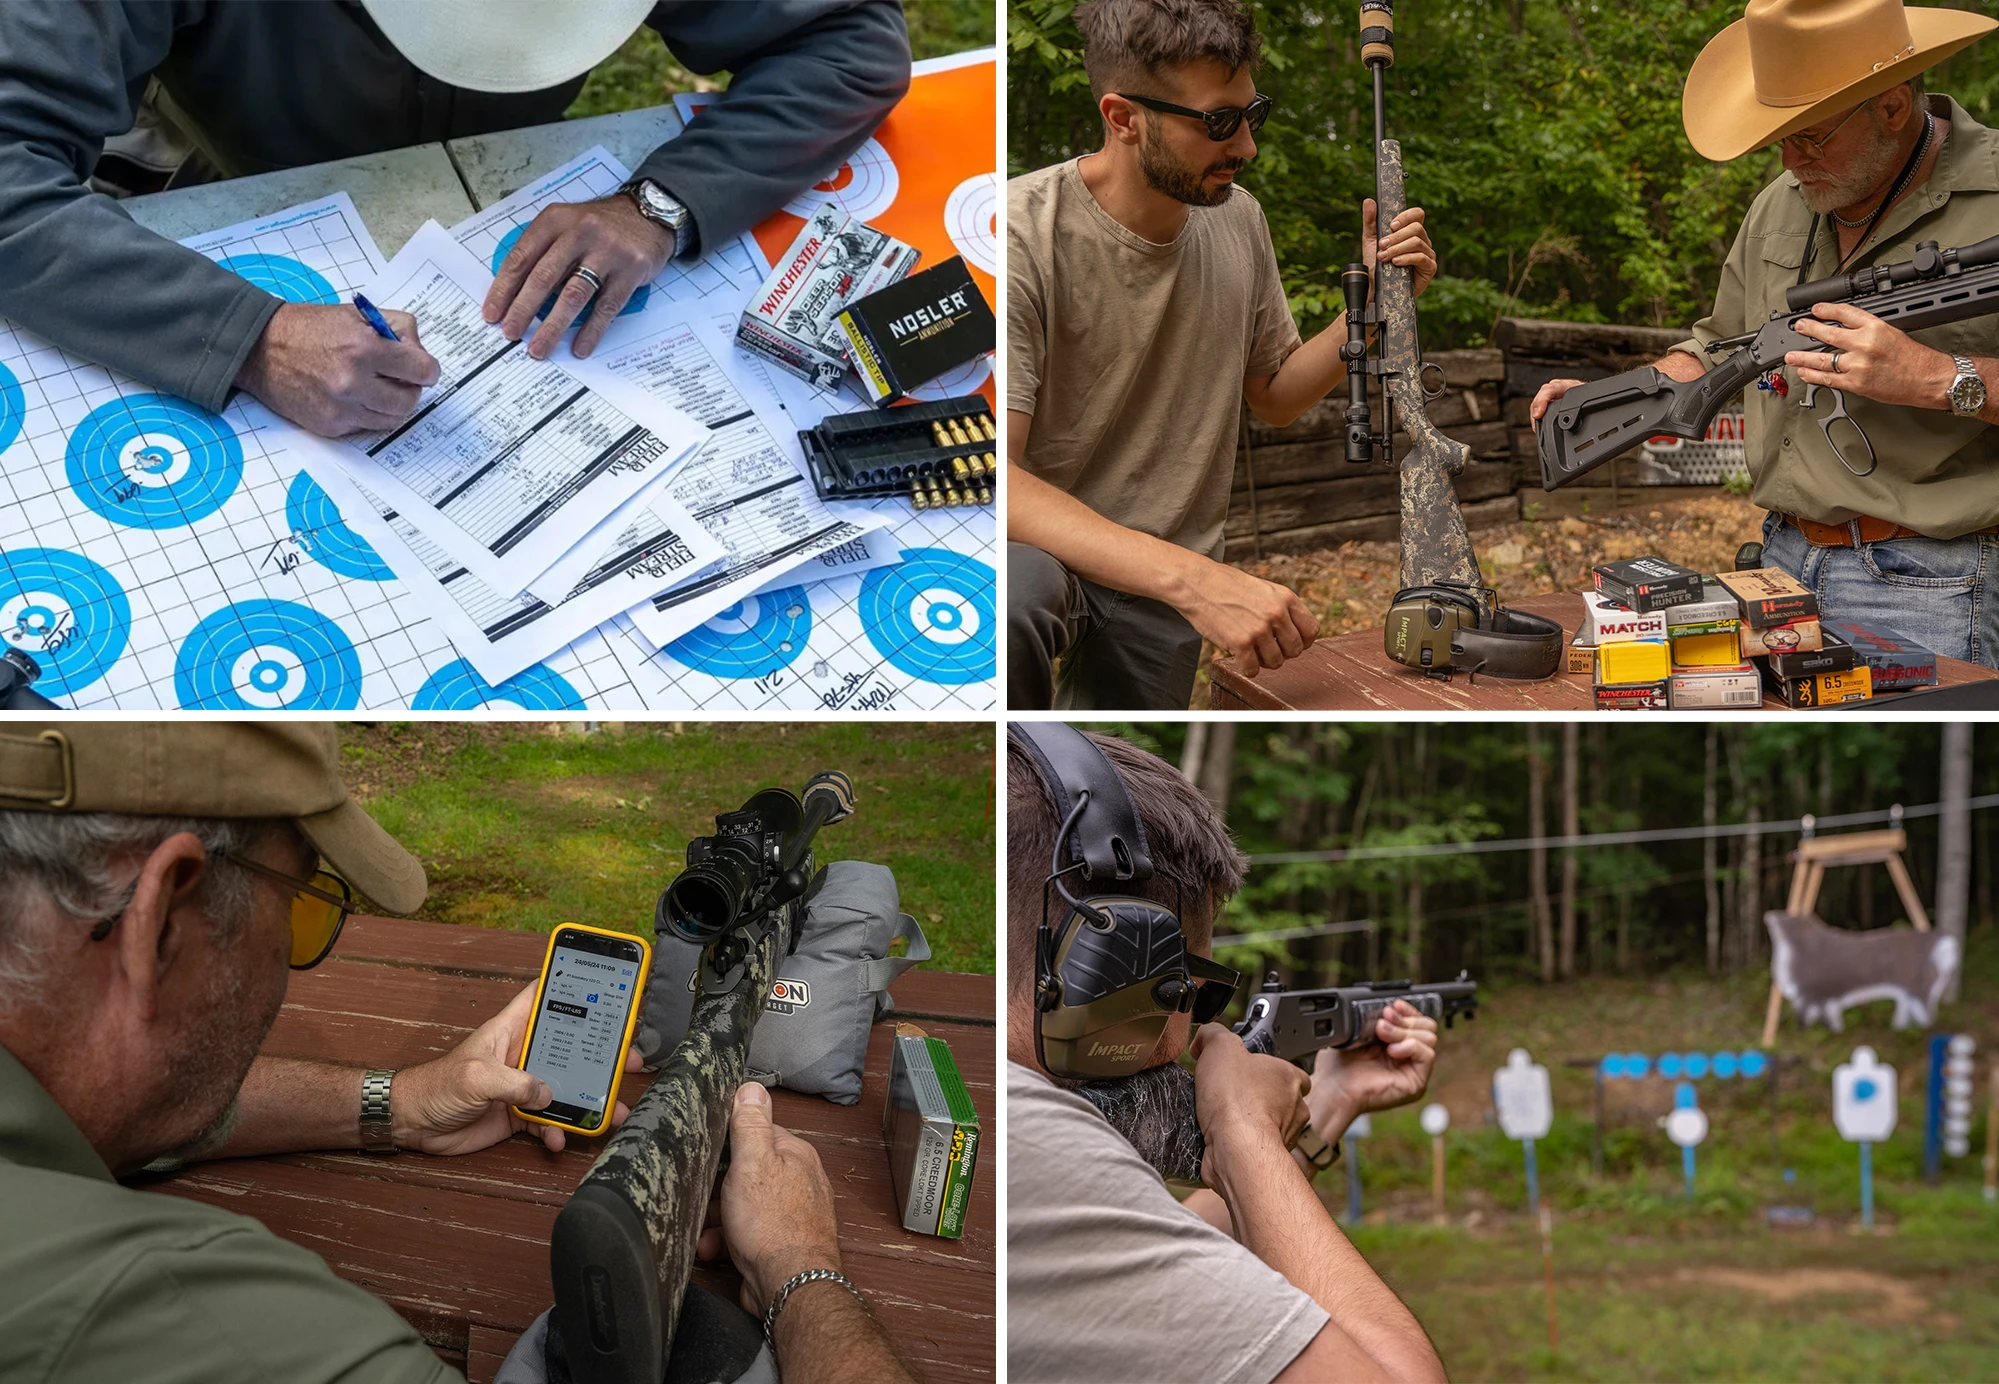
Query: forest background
x=1543, y=137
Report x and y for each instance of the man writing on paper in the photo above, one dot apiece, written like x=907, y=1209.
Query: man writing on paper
x=1143, y=308
x=1873, y=164
x=155, y=879
x=261, y=87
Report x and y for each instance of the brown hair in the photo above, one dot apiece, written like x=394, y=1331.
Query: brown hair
x=1191, y=847
x=1126, y=40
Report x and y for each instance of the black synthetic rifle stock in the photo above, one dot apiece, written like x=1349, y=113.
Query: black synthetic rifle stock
x=624, y=1244
x=1294, y=1024
x=1594, y=422
x=1436, y=547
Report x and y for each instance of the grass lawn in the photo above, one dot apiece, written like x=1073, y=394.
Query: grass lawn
x=532, y=825
x=1651, y=1286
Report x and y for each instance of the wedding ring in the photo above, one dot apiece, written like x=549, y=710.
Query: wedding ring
x=589, y=277
x=1835, y=356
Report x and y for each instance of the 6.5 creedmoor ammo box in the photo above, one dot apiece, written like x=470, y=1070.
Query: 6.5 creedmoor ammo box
x=932, y=1133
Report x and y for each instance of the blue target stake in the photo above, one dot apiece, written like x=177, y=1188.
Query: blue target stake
x=1865, y=1090
x=1533, y=1182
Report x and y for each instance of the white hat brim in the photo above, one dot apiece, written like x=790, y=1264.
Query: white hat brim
x=507, y=45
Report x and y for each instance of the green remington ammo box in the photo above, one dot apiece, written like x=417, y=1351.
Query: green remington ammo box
x=932, y=1134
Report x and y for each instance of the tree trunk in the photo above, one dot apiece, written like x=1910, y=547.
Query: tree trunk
x=1537, y=866
x=1571, y=826
x=1954, y=841
x=1211, y=766
x=1708, y=856
x=1750, y=916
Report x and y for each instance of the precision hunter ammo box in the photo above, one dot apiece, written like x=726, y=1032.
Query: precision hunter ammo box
x=1648, y=583
x=932, y=1134
x=937, y=455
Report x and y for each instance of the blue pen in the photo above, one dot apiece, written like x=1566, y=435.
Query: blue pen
x=373, y=317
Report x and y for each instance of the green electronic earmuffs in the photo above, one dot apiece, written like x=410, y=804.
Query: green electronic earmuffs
x=1116, y=968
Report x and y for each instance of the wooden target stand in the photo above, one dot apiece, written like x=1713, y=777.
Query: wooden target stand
x=1815, y=854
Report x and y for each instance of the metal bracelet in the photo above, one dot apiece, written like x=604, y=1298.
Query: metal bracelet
x=799, y=1280
x=377, y=1131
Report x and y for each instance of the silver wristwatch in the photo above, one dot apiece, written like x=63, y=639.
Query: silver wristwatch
x=658, y=205
x=1967, y=391
x=377, y=1132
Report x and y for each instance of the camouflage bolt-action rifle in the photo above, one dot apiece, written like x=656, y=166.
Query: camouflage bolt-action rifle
x=624, y=1245
x=1436, y=549
x=1594, y=422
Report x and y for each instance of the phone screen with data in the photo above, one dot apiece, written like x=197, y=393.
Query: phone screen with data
x=577, y=1046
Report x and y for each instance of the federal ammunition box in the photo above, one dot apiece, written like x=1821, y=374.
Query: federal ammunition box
x=1644, y=660
x=1834, y=655
x=1633, y=696
x=834, y=260
x=1792, y=636
x=932, y=1134
x=1894, y=664
x=1722, y=649
x=1581, y=657
x=1710, y=689
x=1648, y=583
x=1769, y=596
x=1606, y=621
x=1821, y=689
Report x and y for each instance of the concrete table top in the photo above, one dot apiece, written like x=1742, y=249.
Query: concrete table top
x=497, y=165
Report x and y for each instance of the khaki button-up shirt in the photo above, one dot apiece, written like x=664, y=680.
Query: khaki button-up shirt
x=101, y=1282
x=1938, y=473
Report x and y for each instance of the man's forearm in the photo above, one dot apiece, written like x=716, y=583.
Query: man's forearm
x=827, y=1335
x=289, y=1105
x=1308, y=375
x=1096, y=548
x=1280, y=1219
x=1680, y=365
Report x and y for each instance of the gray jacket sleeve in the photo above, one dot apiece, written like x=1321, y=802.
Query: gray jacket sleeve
x=74, y=268
x=810, y=80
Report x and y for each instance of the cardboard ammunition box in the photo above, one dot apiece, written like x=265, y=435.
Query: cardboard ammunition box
x=1582, y=657
x=1644, y=660
x=1821, y=689
x=1720, y=649
x=1894, y=664
x=834, y=260
x=1605, y=621
x=1634, y=696
x=1834, y=655
x=932, y=1133
x=1679, y=630
x=1793, y=636
x=1770, y=597
x=1717, y=603
x=1648, y=583
x=911, y=332
x=1717, y=689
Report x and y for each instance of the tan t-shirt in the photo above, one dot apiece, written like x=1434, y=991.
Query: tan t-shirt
x=1131, y=355
x=1109, y=1278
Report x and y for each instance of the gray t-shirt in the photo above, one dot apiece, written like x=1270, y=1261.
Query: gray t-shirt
x=1131, y=355
x=1109, y=1278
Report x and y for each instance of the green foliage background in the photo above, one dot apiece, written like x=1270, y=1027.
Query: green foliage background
x=1542, y=136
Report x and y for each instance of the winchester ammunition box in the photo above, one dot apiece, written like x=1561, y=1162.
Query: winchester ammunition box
x=1633, y=696
x=1717, y=689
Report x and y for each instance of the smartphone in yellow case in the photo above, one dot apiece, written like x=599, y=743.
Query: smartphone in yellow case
x=586, y=1010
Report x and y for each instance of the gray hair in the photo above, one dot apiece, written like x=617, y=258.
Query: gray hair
x=75, y=866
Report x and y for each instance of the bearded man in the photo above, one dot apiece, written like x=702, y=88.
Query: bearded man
x=1873, y=164
x=1143, y=307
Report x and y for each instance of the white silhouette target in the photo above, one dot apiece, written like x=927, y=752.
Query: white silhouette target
x=964, y=379
x=864, y=186
x=971, y=218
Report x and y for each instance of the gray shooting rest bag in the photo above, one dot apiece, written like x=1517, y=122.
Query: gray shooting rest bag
x=813, y=1033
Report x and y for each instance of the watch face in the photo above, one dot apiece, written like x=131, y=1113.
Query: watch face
x=1967, y=393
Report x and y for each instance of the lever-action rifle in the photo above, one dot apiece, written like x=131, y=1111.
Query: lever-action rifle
x=1594, y=422
x=623, y=1246
x=1436, y=548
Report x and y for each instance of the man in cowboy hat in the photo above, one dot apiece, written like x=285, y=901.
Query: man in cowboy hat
x=155, y=880
x=263, y=87
x=1873, y=164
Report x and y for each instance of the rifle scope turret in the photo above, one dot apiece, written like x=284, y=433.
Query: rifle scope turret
x=759, y=855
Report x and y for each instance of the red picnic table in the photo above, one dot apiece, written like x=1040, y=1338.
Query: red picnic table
x=459, y=1246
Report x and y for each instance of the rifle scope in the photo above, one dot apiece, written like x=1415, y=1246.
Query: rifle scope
x=17, y=673
x=752, y=860
x=1928, y=262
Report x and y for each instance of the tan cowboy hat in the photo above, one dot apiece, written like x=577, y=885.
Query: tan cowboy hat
x=1787, y=64
x=507, y=45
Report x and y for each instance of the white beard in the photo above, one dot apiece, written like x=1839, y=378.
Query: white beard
x=1868, y=176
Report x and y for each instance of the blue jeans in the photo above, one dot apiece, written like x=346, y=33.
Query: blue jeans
x=1943, y=593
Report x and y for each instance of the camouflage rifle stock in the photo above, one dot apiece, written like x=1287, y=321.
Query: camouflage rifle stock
x=624, y=1244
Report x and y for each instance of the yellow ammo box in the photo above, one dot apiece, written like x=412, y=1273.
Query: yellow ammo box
x=1636, y=660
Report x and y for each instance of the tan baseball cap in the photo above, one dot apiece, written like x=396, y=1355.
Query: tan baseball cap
x=282, y=769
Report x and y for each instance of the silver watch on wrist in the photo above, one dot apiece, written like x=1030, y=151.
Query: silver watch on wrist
x=662, y=208
x=378, y=1133
x=1967, y=390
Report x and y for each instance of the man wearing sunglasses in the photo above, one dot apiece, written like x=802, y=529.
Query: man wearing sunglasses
x=1249, y=1279
x=1144, y=307
x=1873, y=164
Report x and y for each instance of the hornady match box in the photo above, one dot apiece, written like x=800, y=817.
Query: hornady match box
x=1717, y=689
x=1769, y=597
x=1648, y=583
x=1608, y=621
x=1834, y=655
x=1894, y=664
x=1822, y=689
x=1791, y=637
x=1633, y=696
x=834, y=260
x=913, y=331
x=932, y=1133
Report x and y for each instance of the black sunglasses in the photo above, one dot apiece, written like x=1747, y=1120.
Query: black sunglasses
x=1221, y=122
x=1214, y=986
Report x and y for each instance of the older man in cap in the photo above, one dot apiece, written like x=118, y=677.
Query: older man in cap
x=262, y=87
x=1873, y=164
x=156, y=880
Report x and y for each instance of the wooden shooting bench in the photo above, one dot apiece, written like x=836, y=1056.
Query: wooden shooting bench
x=459, y=1246
x=1350, y=672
